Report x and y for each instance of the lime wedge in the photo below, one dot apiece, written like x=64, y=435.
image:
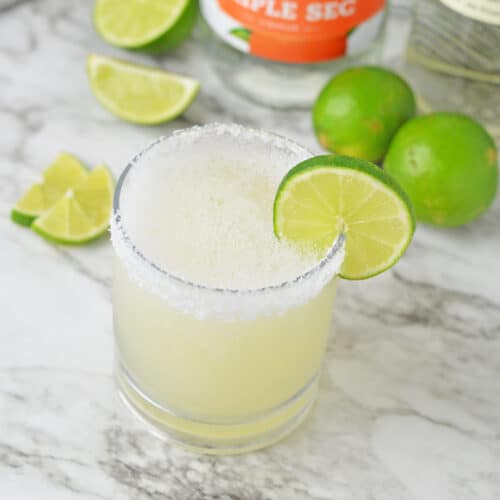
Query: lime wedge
x=138, y=94
x=148, y=25
x=82, y=214
x=66, y=172
x=326, y=195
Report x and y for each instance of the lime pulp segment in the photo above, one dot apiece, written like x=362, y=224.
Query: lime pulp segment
x=326, y=195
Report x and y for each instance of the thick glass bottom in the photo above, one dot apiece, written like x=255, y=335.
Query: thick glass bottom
x=216, y=436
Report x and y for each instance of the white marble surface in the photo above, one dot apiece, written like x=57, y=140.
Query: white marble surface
x=409, y=407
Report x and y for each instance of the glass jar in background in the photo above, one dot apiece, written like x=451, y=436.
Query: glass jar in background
x=454, y=57
x=281, y=52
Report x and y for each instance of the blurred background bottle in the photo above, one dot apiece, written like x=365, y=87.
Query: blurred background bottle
x=281, y=52
x=454, y=57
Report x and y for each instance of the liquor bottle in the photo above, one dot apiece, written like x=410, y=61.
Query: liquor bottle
x=281, y=52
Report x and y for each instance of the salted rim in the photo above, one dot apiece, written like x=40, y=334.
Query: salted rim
x=135, y=260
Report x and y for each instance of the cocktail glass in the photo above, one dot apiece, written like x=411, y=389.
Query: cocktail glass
x=213, y=368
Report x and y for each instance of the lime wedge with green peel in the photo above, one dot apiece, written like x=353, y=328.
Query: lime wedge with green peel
x=147, y=25
x=66, y=172
x=326, y=195
x=82, y=214
x=139, y=94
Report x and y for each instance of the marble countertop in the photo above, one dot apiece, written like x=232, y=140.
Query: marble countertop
x=409, y=407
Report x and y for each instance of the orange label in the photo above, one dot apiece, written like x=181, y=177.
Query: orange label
x=292, y=50
x=294, y=31
x=301, y=17
x=299, y=30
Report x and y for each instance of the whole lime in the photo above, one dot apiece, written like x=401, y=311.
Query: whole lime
x=359, y=110
x=447, y=163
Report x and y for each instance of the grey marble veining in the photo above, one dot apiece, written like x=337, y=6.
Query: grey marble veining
x=409, y=405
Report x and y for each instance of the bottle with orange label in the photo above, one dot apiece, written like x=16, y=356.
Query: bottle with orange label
x=280, y=52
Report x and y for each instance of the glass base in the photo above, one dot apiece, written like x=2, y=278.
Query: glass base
x=221, y=436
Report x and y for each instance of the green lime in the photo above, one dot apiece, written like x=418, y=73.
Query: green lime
x=147, y=25
x=447, y=163
x=66, y=172
x=82, y=214
x=139, y=94
x=359, y=110
x=325, y=195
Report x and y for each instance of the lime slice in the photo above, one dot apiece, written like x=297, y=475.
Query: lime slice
x=138, y=94
x=66, y=172
x=325, y=195
x=148, y=25
x=82, y=214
